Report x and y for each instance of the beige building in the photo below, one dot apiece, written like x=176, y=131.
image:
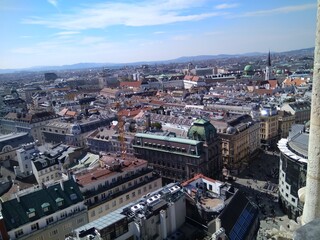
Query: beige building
x=115, y=183
x=269, y=126
x=286, y=119
x=239, y=140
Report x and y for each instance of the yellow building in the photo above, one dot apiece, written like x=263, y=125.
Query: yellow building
x=239, y=140
x=269, y=126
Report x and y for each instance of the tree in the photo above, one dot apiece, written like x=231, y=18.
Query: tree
x=156, y=125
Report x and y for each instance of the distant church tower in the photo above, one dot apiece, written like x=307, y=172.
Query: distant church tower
x=268, y=74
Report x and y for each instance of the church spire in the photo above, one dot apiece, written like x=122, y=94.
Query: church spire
x=269, y=59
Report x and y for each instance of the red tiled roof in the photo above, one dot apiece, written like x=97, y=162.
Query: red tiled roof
x=135, y=84
x=263, y=91
x=71, y=113
x=273, y=83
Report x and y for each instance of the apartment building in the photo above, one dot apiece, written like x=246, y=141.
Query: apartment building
x=31, y=123
x=115, y=183
x=300, y=110
x=44, y=213
x=158, y=215
x=240, y=140
x=11, y=142
x=269, y=126
x=72, y=132
x=293, y=169
x=286, y=119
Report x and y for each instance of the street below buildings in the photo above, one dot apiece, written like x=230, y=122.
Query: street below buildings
x=259, y=181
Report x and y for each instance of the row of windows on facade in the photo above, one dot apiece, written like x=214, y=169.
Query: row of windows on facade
x=50, y=130
x=47, y=178
x=121, y=199
x=166, y=147
x=116, y=189
x=50, y=220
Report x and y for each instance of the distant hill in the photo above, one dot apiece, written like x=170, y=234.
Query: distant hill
x=305, y=51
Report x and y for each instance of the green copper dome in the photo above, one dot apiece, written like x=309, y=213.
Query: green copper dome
x=248, y=68
x=202, y=130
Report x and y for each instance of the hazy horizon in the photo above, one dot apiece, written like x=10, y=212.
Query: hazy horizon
x=58, y=32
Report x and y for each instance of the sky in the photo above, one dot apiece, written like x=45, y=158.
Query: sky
x=60, y=32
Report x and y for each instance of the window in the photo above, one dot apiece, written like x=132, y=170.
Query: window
x=100, y=210
x=73, y=196
x=63, y=215
x=93, y=213
x=106, y=207
x=114, y=203
x=31, y=213
x=80, y=220
x=18, y=233
x=139, y=191
x=293, y=199
x=45, y=207
x=49, y=220
x=54, y=232
x=127, y=197
x=133, y=194
x=120, y=200
x=34, y=226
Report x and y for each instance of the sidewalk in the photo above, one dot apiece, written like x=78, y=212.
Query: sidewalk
x=260, y=183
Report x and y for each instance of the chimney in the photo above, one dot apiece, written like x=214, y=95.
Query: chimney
x=17, y=197
x=218, y=223
x=148, y=121
x=61, y=184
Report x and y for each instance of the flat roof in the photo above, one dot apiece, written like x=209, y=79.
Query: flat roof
x=105, y=221
x=168, y=138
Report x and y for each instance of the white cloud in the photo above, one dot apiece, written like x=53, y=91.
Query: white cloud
x=226, y=5
x=146, y=13
x=53, y=2
x=26, y=36
x=66, y=33
x=159, y=32
x=286, y=9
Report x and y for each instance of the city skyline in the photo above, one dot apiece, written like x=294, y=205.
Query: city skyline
x=57, y=32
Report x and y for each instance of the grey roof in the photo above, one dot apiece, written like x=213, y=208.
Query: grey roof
x=15, y=139
x=299, y=144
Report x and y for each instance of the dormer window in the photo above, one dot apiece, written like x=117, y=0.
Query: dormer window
x=44, y=164
x=31, y=212
x=73, y=196
x=45, y=207
x=59, y=201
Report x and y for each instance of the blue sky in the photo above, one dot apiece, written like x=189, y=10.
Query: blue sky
x=58, y=32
